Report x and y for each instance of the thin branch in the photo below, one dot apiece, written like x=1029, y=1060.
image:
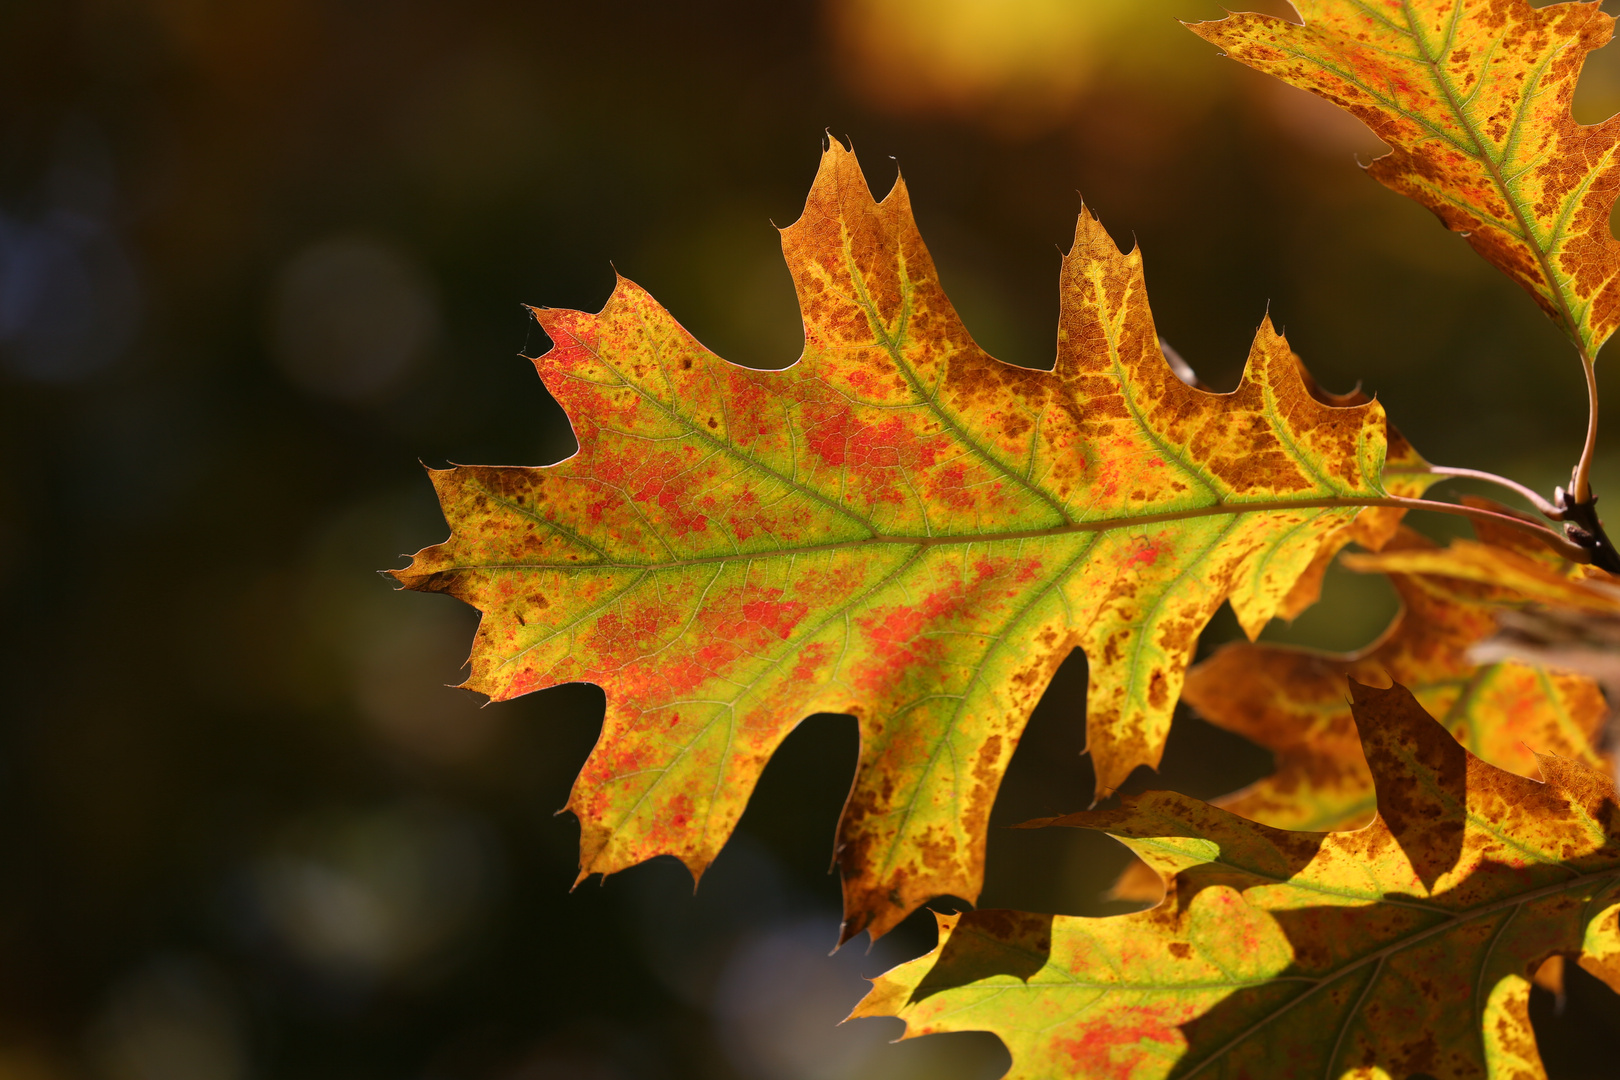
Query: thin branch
x=1581, y=484
x=1546, y=508
x=1581, y=521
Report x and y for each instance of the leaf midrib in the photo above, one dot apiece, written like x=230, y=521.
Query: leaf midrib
x=1492, y=166
x=952, y=539
x=1526, y=232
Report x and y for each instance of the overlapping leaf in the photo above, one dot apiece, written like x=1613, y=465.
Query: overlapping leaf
x=1561, y=615
x=1535, y=580
x=1401, y=949
x=1473, y=98
x=1292, y=701
x=898, y=526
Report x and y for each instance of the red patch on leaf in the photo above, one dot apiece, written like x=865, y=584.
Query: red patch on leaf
x=829, y=437
x=950, y=488
x=777, y=616
x=811, y=659
x=894, y=633
x=1146, y=552
x=1111, y=1051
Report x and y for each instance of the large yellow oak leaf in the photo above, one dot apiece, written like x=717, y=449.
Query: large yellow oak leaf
x=1292, y=701
x=1403, y=949
x=1473, y=99
x=899, y=527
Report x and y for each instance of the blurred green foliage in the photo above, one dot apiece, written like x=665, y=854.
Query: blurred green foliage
x=258, y=258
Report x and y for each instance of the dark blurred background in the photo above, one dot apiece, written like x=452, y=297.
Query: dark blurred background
x=260, y=257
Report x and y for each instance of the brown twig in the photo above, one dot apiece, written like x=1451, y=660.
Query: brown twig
x=1546, y=508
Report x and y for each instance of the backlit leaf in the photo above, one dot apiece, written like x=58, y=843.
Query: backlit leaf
x=899, y=527
x=1292, y=701
x=1473, y=99
x=1551, y=582
x=1402, y=949
x=1558, y=615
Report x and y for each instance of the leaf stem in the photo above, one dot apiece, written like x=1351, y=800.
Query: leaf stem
x=1546, y=508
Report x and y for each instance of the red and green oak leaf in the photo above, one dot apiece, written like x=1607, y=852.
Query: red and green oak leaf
x=1404, y=948
x=1473, y=99
x=899, y=527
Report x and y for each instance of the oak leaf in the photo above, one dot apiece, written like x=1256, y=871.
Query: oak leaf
x=899, y=527
x=1402, y=949
x=1473, y=98
x=1563, y=616
x=1532, y=576
x=1292, y=701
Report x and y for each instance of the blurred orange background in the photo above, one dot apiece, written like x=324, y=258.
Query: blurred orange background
x=258, y=258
